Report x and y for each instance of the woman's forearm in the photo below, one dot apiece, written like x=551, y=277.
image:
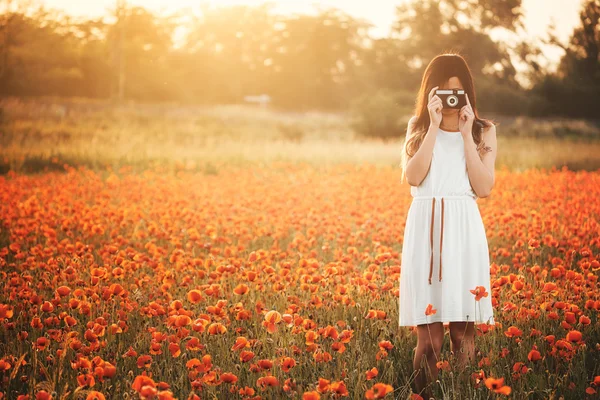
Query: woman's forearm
x=418, y=165
x=481, y=179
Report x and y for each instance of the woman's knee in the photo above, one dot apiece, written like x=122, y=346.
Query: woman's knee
x=460, y=332
x=436, y=345
x=431, y=345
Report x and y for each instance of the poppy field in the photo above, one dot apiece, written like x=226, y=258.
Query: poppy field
x=279, y=281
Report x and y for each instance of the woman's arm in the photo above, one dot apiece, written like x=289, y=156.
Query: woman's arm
x=481, y=172
x=418, y=165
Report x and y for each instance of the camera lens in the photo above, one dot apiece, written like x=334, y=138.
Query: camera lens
x=452, y=100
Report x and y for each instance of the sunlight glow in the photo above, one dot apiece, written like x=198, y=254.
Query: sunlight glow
x=537, y=13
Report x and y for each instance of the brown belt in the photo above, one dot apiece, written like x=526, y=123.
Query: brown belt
x=433, y=198
x=431, y=241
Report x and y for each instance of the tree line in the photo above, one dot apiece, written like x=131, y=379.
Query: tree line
x=323, y=61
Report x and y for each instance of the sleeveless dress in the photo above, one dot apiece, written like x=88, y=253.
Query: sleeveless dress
x=445, y=250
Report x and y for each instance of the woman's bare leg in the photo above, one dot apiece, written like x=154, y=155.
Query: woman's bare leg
x=430, y=338
x=462, y=342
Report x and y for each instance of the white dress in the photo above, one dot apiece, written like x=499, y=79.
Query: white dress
x=443, y=274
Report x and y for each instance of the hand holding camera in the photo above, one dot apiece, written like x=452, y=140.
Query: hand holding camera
x=451, y=99
x=434, y=106
x=466, y=116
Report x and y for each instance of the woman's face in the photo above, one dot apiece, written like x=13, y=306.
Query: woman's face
x=452, y=83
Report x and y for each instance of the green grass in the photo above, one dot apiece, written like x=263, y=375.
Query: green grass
x=39, y=135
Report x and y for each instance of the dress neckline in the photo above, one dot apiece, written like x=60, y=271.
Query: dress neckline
x=449, y=131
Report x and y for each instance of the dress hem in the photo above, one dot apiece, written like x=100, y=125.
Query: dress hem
x=447, y=319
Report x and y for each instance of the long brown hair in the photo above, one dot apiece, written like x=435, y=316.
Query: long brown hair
x=443, y=67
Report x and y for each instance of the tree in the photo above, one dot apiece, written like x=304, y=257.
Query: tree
x=40, y=55
x=426, y=28
x=575, y=89
x=147, y=43
x=230, y=52
x=318, y=59
x=302, y=61
x=581, y=62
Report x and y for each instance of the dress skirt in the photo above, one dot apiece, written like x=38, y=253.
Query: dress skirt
x=465, y=262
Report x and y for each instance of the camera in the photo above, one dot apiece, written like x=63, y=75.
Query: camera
x=452, y=98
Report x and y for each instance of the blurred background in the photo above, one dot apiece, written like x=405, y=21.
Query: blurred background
x=195, y=83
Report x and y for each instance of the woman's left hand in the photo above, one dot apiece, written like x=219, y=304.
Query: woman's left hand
x=466, y=116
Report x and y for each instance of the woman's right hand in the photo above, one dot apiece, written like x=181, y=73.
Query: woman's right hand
x=434, y=105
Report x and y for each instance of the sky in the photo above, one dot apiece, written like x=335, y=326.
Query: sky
x=538, y=14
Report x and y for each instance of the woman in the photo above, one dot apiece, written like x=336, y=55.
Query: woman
x=448, y=159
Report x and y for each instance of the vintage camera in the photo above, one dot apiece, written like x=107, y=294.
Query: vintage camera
x=452, y=98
